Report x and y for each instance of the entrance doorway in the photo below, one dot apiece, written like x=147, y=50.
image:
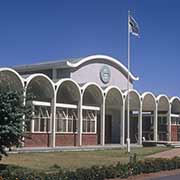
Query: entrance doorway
x=108, y=129
x=162, y=128
x=134, y=129
x=148, y=127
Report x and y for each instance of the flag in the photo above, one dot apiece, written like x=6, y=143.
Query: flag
x=133, y=25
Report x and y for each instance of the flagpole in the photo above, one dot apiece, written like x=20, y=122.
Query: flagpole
x=128, y=98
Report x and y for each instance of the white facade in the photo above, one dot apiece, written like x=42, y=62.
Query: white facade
x=88, y=106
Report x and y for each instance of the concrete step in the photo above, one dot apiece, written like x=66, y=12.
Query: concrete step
x=174, y=144
x=71, y=148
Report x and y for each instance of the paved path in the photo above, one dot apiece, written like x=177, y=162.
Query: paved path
x=162, y=175
x=166, y=154
x=174, y=177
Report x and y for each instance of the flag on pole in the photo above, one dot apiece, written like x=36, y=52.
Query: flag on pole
x=133, y=25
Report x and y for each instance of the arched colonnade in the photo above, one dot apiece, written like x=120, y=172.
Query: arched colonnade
x=66, y=113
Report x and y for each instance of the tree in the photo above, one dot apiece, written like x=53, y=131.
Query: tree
x=12, y=119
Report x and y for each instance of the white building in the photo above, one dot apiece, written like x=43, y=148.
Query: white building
x=84, y=102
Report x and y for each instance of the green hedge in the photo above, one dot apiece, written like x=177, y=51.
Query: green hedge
x=94, y=173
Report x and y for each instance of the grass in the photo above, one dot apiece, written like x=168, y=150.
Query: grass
x=71, y=160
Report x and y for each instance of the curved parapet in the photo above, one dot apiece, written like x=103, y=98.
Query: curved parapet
x=106, y=58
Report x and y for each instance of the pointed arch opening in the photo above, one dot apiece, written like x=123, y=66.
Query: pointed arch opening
x=40, y=128
x=148, y=116
x=113, y=113
x=68, y=97
x=92, y=116
x=163, y=117
x=134, y=115
x=175, y=118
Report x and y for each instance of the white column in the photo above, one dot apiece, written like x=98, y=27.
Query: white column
x=53, y=121
x=140, y=125
x=122, y=127
x=102, y=137
x=80, y=119
x=32, y=121
x=155, y=133
x=169, y=122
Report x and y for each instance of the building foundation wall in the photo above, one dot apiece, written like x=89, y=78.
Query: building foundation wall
x=66, y=139
x=37, y=140
x=89, y=139
x=174, y=130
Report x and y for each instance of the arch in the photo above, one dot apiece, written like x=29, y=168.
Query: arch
x=163, y=117
x=11, y=78
x=92, y=94
x=175, y=105
x=93, y=97
x=148, y=101
x=163, y=102
x=67, y=91
x=42, y=89
x=104, y=57
x=135, y=99
x=174, y=98
x=41, y=86
x=134, y=115
x=113, y=112
x=149, y=115
x=108, y=92
x=175, y=118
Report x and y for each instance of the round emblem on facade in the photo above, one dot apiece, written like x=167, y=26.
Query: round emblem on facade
x=105, y=74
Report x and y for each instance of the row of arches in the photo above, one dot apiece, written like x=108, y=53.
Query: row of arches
x=145, y=109
x=39, y=81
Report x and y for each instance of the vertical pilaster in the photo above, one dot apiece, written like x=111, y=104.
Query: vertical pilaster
x=53, y=121
x=80, y=121
x=169, y=122
x=102, y=137
x=122, y=127
x=32, y=121
x=140, y=124
x=156, y=122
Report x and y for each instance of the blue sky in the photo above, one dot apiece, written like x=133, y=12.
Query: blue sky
x=34, y=31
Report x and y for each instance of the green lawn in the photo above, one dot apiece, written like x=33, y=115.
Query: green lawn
x=72, y=160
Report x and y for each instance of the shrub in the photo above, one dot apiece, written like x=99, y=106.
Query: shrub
x=93, y=173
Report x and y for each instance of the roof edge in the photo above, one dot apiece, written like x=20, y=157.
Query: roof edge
x=105, y=57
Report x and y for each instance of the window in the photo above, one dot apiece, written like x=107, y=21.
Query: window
x=61, y=118
x=175, y=120
x=66, y=120
x=178, y=121
x=41, y=119
x=72, y=120
x=89, y=121
x=162, y=120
